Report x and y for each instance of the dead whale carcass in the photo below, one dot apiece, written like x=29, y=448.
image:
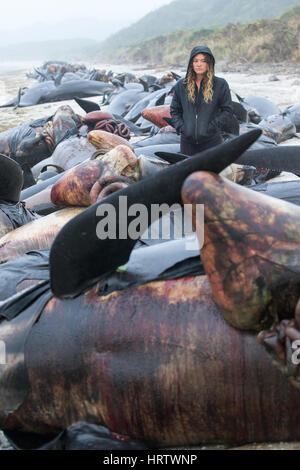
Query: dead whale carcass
x=167, y=368
x=78, y=187
x=13, y=213
x=34, y=141
x=48, y=92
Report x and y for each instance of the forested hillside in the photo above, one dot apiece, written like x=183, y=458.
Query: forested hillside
x=260, y=41
x=196, y=14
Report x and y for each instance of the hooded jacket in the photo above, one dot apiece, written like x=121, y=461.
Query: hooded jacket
x=196, y=122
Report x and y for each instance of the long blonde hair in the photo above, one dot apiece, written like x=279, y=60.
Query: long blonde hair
x=207, y=81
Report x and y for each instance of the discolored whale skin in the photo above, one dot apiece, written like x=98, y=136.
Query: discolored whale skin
x=156, y=115
x=35, y=235
x=73, y=189
x=251, y=250
x=279, y=127
x=105, y=141
x=34, y=141
x=158, y=363
x=75, y=186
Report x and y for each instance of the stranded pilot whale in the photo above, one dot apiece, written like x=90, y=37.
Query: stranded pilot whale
x=159, y=362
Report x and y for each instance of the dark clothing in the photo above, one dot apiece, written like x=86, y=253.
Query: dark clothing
x=200, y=119
x=199, y=122
x=188, y=148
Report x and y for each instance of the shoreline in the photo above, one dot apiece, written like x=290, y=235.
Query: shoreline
x=279, y=83
x=225, y=65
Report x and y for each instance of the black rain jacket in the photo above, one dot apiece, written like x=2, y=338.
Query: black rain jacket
x=199, y=121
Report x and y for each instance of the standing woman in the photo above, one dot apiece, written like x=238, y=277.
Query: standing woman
x=201, y=106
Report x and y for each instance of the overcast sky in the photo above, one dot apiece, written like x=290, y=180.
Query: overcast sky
x=17, y=14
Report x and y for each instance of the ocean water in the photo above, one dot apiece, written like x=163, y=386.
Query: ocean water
x=17, y=65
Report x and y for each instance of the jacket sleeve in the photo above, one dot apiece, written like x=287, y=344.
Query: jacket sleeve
x=176, y=111
x=225, y=119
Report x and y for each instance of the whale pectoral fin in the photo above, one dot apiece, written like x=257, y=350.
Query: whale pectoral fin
x=18, y=99
x=83, y=251
x=145, y=84
x=171, y=157
x=176, y=76
x=161, y=100
x=86, y=105
x=251, y=250
x=168, y=121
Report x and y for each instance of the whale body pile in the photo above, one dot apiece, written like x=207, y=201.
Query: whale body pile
x=124, y=342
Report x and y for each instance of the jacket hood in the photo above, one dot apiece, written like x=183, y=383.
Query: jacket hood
x=200, y=50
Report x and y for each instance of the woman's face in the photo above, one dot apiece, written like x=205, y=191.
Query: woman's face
x=200, y=65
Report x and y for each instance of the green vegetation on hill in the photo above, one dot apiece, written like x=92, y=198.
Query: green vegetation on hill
x=290, y=14
x=260, y=41
x=196, y=14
